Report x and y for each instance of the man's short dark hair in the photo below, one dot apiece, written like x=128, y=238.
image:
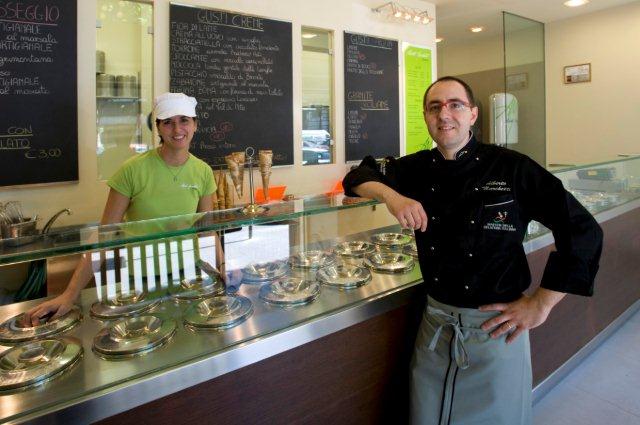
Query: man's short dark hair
x=467, y=89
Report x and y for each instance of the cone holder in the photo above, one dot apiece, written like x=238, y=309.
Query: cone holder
x=252, y=208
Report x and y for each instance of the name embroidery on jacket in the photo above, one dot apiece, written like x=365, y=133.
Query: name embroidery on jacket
x=496, y=186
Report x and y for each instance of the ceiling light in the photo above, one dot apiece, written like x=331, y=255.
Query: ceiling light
x=575, y=3
x=407, y=14
x=476, y=29
x=308, y=35
x=439, y=39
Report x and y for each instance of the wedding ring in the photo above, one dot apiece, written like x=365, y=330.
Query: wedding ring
x=509, y=325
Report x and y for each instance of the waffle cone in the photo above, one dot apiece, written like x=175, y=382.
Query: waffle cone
x=228, y=194
x=234, y=172
x=239, y=157
x=220, y=191
x=265, y=183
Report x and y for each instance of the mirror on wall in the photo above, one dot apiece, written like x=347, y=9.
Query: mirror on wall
x=124, y=81
x=317, y=96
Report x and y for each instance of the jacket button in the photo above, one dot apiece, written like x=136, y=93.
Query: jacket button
x=433, y=189
x=432, y=248
x=434, y=218
x=472, y=222
x=476, y=189
x=435, y=279
x=477, y=158
x=470, y=255
x=466, y=287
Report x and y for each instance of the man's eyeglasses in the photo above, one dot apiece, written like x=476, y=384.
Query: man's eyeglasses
x=453, y=106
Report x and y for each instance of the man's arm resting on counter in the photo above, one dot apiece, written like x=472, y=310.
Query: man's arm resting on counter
x=409, y=212
x=523, y=314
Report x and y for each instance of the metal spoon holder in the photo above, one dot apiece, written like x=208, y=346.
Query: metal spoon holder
x=252, y=208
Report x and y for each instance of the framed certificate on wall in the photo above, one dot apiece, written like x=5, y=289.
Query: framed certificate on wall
x=577, y=73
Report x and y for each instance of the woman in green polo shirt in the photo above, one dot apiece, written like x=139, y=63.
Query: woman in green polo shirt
x=162, y=182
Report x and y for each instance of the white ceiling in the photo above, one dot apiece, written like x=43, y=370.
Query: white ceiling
x=454, y=17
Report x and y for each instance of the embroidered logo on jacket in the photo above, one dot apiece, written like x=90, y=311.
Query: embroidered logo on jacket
x=499, y=222
x=496, y=186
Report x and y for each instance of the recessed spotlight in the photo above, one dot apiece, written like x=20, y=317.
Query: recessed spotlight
x=439, y=39
x=575, y=3
x=309, y=35
x=476, y=29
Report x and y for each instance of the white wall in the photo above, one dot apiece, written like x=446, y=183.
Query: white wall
x=87, y=197
x=597, y=120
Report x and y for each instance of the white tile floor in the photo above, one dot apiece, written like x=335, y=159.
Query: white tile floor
x=603, y=390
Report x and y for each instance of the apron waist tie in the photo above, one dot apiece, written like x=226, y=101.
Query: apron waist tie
x=459, y=350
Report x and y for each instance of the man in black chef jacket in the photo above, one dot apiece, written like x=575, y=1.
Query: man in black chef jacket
x=472, y=362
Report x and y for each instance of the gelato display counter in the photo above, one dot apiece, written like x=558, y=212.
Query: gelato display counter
x=306, y=310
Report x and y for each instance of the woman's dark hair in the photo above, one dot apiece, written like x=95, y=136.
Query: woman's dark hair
x=467, y=89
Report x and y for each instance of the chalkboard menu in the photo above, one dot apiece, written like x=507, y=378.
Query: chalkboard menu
x=238, y=67
x=38, y=95
x=372, y=123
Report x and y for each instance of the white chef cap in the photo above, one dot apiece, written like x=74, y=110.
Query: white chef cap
x=168, y=105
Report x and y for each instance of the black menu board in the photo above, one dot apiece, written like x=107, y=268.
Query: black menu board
x=38, y=94
x=371, y=114
x=238, y=67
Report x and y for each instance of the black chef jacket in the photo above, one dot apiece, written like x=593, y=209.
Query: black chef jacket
x=479, y=206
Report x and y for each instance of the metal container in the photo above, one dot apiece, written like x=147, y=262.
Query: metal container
x=36, y=362
x=15, y=330
x=105, y=85
x=17, y=230
x=126, y=86
x=100, y=62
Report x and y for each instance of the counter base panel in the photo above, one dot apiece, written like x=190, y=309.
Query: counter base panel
x=357, y=375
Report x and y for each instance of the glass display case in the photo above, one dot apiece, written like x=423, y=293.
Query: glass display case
x=174, y=292
x=599, y=187
x=181, y=300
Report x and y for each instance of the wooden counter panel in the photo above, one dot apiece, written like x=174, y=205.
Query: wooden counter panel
x=358, y=375
x=577, y=320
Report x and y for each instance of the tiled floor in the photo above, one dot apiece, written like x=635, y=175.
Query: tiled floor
x=603, y=390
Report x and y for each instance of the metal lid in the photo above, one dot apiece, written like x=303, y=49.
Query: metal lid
x=344, y=276
x=410, y=249
x=391, y=240
x=290, y=291
x=123, y=305
x=354, y=248
x=196, y=288
x=35, y=362
x=389, y=262
x=312, y=259
x=13, y=330
x=133, y=336
x=219, y=312
x=264, y=272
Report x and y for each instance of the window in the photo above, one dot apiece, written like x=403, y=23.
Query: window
x=124, y=82
x=317, y=96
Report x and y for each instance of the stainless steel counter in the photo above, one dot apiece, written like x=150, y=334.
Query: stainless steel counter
x=95, y=388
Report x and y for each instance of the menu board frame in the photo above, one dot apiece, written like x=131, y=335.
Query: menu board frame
x=382, y=135
x=31, y=128
x=220, y=129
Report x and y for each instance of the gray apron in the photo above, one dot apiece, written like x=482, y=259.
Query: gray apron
x=460, y=376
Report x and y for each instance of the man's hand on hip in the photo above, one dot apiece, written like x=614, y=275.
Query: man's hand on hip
x=525, y=313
